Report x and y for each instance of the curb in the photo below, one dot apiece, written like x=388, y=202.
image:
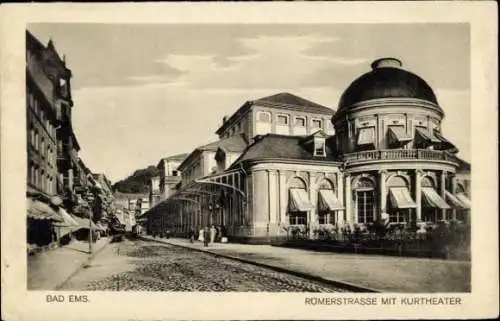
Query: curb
x=340, y=284
x=81, y=266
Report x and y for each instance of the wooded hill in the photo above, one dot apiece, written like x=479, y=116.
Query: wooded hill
x=138, y=182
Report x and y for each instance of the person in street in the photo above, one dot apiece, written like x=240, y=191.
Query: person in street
x=206, y=235
x=212, y=234
x=191, y=236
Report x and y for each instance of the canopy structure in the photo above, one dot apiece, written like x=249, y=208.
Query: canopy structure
x=426, y=136
x=85, y=223
x=400, y=198
x=328, y=201
x=299, y=200
x=454, y=201
x=397, y=134
x=366, y=136
x=432, y=199
x=41, y=211
x=464, y=200
x=69, y=221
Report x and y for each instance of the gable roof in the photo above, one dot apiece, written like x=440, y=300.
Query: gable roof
x=284, y=147
x=179, y=157
x=282, y=101
x=236, y=143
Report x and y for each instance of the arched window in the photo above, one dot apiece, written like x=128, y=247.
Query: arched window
x=427, y=182
x=365, y=200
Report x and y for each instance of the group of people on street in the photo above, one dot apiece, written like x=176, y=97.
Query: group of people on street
x=209, y=234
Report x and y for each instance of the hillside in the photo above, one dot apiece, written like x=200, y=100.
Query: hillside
x=138, y=182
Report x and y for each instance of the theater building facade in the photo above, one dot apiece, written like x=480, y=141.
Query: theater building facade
x=382, y=155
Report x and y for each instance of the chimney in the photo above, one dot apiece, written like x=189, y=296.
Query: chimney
x=387, y=62
x=224, y=119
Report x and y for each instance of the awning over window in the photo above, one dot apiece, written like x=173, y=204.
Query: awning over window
x=464, y=200
x=454, y=201
x=432, y=199
x=84, y=223
x=401, y=198
x=366, y=136
x=299, y=200
x=328, y=201
x=445, y=144
x=40, y=211
x=398, y=134
x=431, y=139
x=69, y=221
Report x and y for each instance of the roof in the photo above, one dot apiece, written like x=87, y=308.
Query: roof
x=282, y=101
x=285, y=147
x=463, y=166
x=236, y=143
x=121, y=195
x=386, y=81
x=179, y=157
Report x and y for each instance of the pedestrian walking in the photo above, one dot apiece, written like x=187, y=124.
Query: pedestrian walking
x=191, y=236
x=206, y=235
x=212, y=234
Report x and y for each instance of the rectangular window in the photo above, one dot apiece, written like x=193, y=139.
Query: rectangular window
x=282, y=120
x=298, y=218
x=326, y=218
x=317, y=123
x=366, y=204
x=319, y=147
x=300, y=122
x=264, y=117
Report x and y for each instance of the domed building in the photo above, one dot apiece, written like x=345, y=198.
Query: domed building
x=284, y=162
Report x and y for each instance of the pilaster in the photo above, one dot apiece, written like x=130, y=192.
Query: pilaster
x=453, y=189
x=282, y=196
x=340, y=196
x=348, y=199
x=418, y=193
x=382, y=176
x=312, y=215
x=442, y=187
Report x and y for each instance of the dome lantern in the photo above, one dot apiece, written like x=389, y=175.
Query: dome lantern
x=386, y=62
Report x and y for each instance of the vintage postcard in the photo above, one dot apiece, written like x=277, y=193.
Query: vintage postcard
x=222, y=161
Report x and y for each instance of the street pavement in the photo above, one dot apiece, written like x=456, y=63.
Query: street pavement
x=376, y=272
x=138, y=265
x=48, y=270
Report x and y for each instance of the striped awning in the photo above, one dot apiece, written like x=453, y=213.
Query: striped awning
x=299, y=200
x=328, y=201
x=401, y=198
x=41, y=211
x=464, y=200
x=432, y=199
x=69, y=221
x=454, y=201
x=366, y=136
x=425, y=135
x=84, y=223
x=398, y=134
x=445, y=144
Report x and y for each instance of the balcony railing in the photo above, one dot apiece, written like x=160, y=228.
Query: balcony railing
x=399, y=154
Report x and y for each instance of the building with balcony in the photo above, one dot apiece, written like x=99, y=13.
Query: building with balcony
x=384, y=157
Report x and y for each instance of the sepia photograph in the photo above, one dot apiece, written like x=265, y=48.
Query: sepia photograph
x=274, y=158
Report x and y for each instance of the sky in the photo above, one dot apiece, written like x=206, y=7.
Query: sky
x=146, y=91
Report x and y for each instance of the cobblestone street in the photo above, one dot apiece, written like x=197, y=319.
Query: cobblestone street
x=135, y=265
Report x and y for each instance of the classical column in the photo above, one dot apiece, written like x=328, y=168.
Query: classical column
x=418, y=193
x=340, y=197
x=382, y=176
x=443, y=192
x=348, y=198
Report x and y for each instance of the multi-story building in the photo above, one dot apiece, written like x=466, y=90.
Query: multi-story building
x=386, y=157
x=170, y=175
x=42, y=122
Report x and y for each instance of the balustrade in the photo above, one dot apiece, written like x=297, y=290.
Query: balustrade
x=398, y=154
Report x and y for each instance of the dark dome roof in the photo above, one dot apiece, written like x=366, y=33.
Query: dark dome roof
x=387, y=80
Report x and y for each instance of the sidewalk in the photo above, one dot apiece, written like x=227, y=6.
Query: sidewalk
x=48, y=270
x=380, y=273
